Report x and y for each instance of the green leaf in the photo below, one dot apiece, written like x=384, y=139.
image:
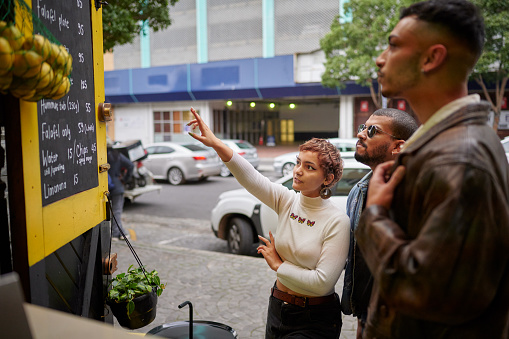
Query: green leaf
x=127, y=286
x=130, y=307
x=122, y=19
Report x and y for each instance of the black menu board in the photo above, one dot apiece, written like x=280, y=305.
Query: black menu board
x=67, y=129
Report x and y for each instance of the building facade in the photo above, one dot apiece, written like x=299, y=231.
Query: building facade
x=252, y=68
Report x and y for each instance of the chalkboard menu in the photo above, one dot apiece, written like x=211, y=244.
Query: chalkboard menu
x=67, y=130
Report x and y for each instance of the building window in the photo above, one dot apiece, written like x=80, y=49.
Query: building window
x=167, y=124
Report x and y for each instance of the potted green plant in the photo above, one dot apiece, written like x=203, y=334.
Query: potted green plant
x=133, y=297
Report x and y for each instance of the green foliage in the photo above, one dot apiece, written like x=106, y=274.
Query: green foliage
x=495, y=59
x=123, y=19
x=351, y=48
x=127, y=286
x=493, y=66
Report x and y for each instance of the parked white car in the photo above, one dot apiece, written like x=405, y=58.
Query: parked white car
x=285, y=163
x=243, y=148
x=505, y=143
x=239, y=217
x=180, y=162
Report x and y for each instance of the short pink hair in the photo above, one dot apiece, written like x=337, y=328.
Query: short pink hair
x=328, y=155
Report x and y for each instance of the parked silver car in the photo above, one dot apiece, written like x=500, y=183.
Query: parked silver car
x=180, y=162
x=243, y=148
x=284, y=163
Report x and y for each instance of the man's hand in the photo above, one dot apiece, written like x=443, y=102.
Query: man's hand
x=382, y=184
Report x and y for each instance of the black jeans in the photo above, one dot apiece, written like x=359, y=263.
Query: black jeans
x=290, y=321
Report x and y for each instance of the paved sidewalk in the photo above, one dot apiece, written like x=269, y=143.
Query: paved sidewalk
x=222, y=287
x=225, y=288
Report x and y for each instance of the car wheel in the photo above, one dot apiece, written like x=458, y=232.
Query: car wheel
x=240, y=236
x=175, y=176
x=287, y=168
x=225, y=172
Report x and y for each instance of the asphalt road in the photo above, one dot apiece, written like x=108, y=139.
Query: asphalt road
x=180, y=215
x=191, y=200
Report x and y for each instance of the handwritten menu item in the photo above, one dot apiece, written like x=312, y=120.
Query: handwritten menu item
x=67, y=130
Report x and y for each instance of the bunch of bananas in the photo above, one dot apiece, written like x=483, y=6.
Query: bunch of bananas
x=32, y=67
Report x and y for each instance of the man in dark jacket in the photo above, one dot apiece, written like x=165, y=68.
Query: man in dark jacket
x=121, y=170
x=435, y=231
x=380, y=139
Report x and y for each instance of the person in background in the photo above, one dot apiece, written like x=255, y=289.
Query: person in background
x=121, y=170
x=310, y=247
x=435, y=230
x=380, y=139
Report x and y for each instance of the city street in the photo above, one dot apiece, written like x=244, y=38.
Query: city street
x=190, y=204
x=171, y=233
x=191, y=200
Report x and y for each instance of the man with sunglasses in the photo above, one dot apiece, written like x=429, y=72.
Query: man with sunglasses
x=435, y=230
x=380, y=139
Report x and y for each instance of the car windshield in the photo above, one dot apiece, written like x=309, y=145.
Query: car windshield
x=346, y=147
x=350, y=177
x=193, y=147
x=244, y=144
x=506, y=146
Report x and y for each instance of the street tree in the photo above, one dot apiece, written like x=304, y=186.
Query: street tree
x=492, y=69
x=352, y=46
x=123, y=20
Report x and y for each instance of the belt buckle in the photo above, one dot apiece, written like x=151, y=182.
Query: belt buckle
x=304, y=299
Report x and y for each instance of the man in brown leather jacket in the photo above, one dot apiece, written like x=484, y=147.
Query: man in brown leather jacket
x=435, y=235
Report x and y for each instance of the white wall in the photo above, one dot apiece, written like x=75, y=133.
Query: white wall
x=136, y=121
x=346, y=117
x=133, y=121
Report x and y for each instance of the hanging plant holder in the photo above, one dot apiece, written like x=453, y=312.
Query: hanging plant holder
x=133, y=295
x=144, y=311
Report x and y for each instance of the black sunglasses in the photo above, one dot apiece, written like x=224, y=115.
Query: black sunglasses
x=372, y=131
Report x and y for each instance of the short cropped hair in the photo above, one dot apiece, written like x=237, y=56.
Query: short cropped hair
x=461, y=18
x=328, y=155
x=403, y=125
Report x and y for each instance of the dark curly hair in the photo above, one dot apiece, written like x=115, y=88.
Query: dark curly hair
x=328, y=155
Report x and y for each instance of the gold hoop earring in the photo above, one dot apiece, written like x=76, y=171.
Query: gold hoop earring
x=325, y=193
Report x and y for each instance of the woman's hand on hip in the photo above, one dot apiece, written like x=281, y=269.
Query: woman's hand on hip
x=269, y=252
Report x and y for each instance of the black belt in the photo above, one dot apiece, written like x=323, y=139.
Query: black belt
x=301, y=301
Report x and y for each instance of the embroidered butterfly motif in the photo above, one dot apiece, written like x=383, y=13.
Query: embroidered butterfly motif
x=311, y=223
x=293, y=216
x=301, y=220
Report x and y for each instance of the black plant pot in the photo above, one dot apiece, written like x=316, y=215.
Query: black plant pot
x=144, y=311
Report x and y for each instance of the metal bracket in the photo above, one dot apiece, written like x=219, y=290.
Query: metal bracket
x=104, y=112
x=98, y=4
x=110, y=264
x=104, y=167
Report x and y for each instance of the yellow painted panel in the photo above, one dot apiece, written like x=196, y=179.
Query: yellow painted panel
x=66, y=219
x=32, y=177
x=52, y=226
